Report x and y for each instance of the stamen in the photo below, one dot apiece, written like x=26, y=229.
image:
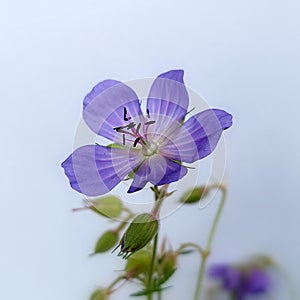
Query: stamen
x=149, y=122
x=131, y=125
x=138, y=128
x=126, y=132
x=117, y=129
x=125, y=115
x=136, y=141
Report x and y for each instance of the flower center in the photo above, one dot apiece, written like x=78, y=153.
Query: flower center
x=149, y=149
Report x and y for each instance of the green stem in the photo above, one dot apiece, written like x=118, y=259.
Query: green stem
x=158, y=203
x=197, y=247
x=152, y=266
x=130, y=213
x=159, y=297
x=160, y=195
x=124, y=222
x=110, y=287
x=207, y=250
x=217, y=217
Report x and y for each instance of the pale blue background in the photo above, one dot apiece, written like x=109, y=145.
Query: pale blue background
x=240, y=55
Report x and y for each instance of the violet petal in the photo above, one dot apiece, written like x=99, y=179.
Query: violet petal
x=256, y=282
x=109, y=105
x=95, y=170
x=157, y=170
x=198, y=137
x=168, y=97
x=229, y=276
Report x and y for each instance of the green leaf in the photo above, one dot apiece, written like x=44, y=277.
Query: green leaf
x=138, y=262
x=166, y=276
x=116, y=146
x=147, y=292
x=109, y=206
x=185, y=252
x=194, y=195
x=107, y=240
x=141, y=293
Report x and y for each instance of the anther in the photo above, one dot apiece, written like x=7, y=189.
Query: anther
x=136, y=141
x=149, y=122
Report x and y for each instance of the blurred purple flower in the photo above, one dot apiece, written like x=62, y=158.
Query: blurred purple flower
x=230, y=277
x=241, y=282
x=150, y=146
x=257, y=282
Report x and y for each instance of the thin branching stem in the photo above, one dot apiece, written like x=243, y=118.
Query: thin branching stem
x=112, y=285
x=211, y=235
x=191, y=245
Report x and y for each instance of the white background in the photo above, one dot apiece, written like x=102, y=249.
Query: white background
x=242, y=56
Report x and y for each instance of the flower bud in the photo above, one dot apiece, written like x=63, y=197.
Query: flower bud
x=168, y=262
x=106, y=241
x=194, y=195
x=99, y=294
x=138, y=263
x=108, y=206
x=139, y=233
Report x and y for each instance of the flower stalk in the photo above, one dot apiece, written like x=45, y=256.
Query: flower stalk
x=152, y=266
x=111, y=288
x=191, y=245
x=207, y=249
x=160, y=196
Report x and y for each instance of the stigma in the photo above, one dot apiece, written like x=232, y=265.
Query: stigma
x=149, y=149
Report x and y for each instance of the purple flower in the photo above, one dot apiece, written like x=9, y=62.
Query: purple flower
x=247, y=280
x=150, y=145
x=230, y=277
x=257, y=282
